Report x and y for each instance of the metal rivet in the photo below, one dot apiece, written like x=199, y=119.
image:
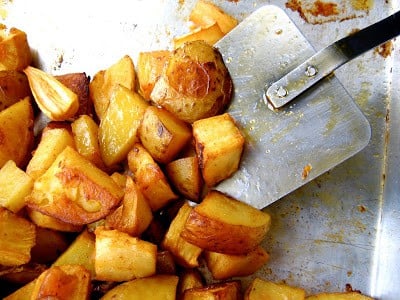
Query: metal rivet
x=311, y=71
x=281, y=92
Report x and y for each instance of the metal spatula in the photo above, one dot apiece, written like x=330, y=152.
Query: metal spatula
x=308, y=136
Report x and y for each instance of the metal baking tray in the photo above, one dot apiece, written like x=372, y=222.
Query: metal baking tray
x=341, y=228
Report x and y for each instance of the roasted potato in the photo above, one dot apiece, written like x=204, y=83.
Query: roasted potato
x=14, y=86
x=15, y=53
x=263, y=289
x=46, y=221
x=194, y=84
x=223, y=224
x=16, y=133
x=230, y=290
x=188, y=279
x=339, y=296
x=210, y=34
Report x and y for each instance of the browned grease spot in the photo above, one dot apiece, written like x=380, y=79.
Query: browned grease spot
x=385, y=49
x=306, y=170
x=362, y=4
x=324, y=9
x=362, y=208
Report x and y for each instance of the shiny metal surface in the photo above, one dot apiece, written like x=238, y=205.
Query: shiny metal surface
x=341, y=228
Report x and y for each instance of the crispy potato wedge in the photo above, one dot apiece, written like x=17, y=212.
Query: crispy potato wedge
x=63, y=282
x=17, y=237
x=339, y=296
x=150, y=178
x=194, y=84
x=14, y=86
x=74, y=191
x=149, y=68
x=52, y=142
x=230, y=290
x=219, y=147
x=101, y=87
x=223, y=224
x=16, y=133
x=15, y=53
x=86, y=136
x=184, y=174
x=224, y=266
x=48, y=222
x=134, y=214
x=121, y=257
x=163, y=134
x=206, y=13
x=119, y=126
x=263, y=289
x=158, y=287
x=15, y=185
x=210, y=34
x=185, y=253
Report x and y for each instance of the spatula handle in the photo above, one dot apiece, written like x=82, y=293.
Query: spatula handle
x=329, y=59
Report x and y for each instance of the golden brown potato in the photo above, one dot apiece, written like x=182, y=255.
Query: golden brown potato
x=184, y=174
x=163, y=134
x=16, y=133
x=188, y=279
x=150, y=178
x=14, y=86
x=194, y=84
x=158, y=287
x=119, y=125
x=230, y=290
x=339, y=296
x=134, y=214
x=149, y=68
x=185, y=253
x=224, y=266
x=210, y=34
x=121, y=257
x=262, y=289
x=219, y=147
x=15, y=53
x=63, y=282
x=74, y=191
x=15, y=185
x=17, y=237
x=222, y=224
x=45, y=221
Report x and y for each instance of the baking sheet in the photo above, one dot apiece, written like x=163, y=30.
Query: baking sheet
x=341, y=228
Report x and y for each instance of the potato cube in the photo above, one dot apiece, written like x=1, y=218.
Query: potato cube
x=223, y=266
x=121, y=257
x=16, y=132
x=63, y=282
x=14, y=86
x=184, y=174
x=121, y=73
x=119, y=126
x=17, y=237
x=150, y=178
x=163, y=134
x=158, y=287
x=52, y=143
x=149, y=67
x=134, y=214
x=190, y=278
x=186, y=254
x=15, y=185
x=230, y=290
x=219, y=146
x=45, y=221
x=15, y=53
x=339, y=296
x=74, y=191
x=223, y=224
x=262, y=289
x=86, y=136
x=211, y=34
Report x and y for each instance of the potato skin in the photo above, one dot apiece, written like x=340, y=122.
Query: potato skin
x=195, y=83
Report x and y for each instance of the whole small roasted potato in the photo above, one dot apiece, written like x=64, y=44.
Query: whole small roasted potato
x=194, y=84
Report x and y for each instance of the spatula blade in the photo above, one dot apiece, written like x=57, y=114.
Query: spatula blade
x=285, y=149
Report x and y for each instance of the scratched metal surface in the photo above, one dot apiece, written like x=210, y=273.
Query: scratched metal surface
x=339, y=229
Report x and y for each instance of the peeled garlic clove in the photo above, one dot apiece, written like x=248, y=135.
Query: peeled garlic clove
x=54, y=99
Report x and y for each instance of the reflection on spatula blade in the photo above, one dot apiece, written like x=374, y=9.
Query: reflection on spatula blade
x=290, y=147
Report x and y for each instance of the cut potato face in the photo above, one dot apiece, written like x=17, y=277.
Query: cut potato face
x=222, y=224
x=230, y=290
x=263, y=289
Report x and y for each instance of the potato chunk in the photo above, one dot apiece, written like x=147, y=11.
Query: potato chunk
x=162, y=134
x=14, y=86
x=73, y=190
x=339, y=296
x=262, y=289
x=230, y=290
x=194, y=84
x=46, y=221
x=222, y=224
x=16, y=132
x=17, y=237
x=211, y=34
x=219, y=146
x=15, y=53
x=121, y=257
x=119, y=126
x=15, y=185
